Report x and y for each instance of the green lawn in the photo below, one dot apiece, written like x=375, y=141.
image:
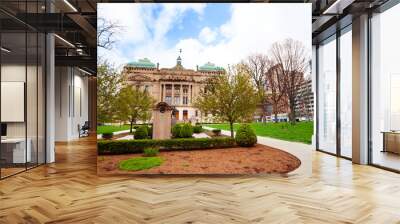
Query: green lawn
x=301, y=132
x=112, y=128
x=140, y=163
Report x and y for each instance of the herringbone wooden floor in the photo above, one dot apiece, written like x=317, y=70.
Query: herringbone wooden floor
x=69, y=191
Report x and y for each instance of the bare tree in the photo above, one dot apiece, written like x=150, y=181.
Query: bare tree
x=292, y=59
x=106, y=33
x=256, y=66
x=275, y=92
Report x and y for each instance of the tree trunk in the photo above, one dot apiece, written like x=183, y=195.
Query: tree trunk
x=131, y=126
x=231, y=126
x=275, y=113
x=292, y=114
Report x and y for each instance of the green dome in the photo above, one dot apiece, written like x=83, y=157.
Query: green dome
x=210, y=67
x=142, y=63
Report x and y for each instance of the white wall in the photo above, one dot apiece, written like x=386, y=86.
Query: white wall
x=71, y=102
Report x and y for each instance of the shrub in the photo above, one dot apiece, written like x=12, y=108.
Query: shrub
x=186, y=131
x=117, y=147
x=107, y=135
x=176, y=130
x=217, y=132
x=149, y=152
x=141, y=133
x=136, y=127
x=245, y=136
x=197, y=129
x=182, y=131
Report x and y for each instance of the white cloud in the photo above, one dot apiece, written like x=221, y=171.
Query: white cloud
x=142, y=27
x=207, y=35
x=252, y=28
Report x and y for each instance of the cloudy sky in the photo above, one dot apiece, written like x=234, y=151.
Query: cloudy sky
x=220, y=33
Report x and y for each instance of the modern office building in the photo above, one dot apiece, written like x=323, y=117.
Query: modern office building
x=304, y=102
x=48, y=85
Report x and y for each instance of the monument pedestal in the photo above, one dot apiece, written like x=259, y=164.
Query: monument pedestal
x=162, y=117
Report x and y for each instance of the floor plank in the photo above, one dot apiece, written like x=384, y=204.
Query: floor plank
x=69, y=191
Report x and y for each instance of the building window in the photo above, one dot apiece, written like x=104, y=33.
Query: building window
x=176, y=100
x=168, y=94
x=327, y=96
x=185, y=89
x=176, y=114
x=177, y=90
x=22, y=62
x=346, y=94
x=185, y=100
x=385, y=89
x=168, y=99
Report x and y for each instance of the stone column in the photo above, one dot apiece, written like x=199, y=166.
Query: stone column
x=181, y=95
x=163, y=97
x=190, y=94
x=360, y=90
x=161, y=92
x=172, y=94
x=50, y=93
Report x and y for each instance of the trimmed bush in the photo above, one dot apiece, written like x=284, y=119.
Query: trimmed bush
x=197, y=129
x=136, y=127
x=141, y=133
x=245, y=136
x=176, y=130
x=117, y=147
x=150, y=152
x=217, y=132
x=107, y=135
x=186, y=131
x=182, y=131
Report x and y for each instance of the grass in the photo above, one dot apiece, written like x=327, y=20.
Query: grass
x=140, y=163
x=112, y=128
x=300, y=132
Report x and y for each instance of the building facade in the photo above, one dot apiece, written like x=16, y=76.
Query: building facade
x=176, y=86
x=305, y=101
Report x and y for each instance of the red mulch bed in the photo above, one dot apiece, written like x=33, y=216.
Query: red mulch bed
x=255, y=160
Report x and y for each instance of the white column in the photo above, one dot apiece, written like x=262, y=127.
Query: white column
x=360, y=90
x=50, y=99
x=314, y=89
x=161, y=92
x=163, y=97
x=181, y=96
x=172, y=93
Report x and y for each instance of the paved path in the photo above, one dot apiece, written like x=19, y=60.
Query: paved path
x=115, y=133
x=300, y=150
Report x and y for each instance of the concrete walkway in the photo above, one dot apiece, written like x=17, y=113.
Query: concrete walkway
x=300, y=150
x=115, y=133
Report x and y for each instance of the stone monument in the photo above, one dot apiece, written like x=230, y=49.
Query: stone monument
x=162, y=118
